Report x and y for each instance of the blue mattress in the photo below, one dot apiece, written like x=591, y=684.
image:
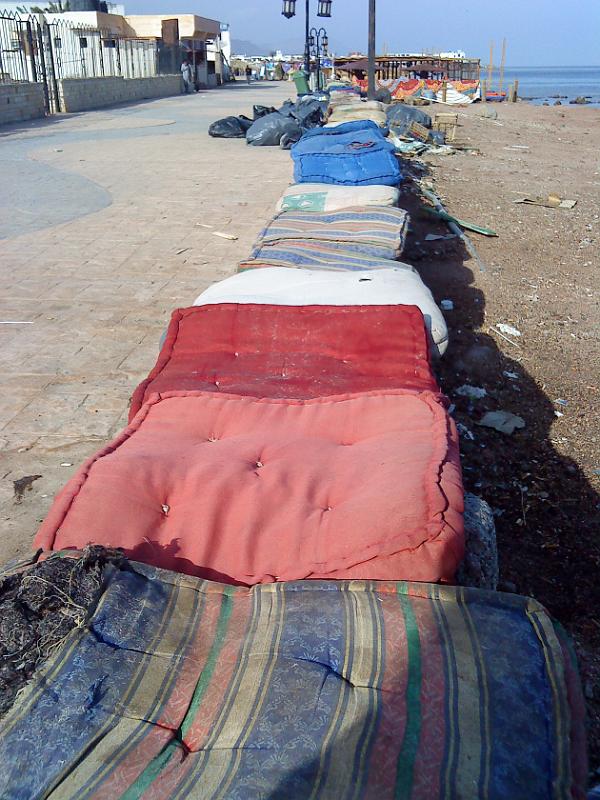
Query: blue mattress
x=346, y=155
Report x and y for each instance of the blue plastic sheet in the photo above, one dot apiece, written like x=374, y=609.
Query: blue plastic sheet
x=354, y=153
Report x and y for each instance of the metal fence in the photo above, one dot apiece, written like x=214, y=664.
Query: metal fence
x=33, y=49
x=82, y=52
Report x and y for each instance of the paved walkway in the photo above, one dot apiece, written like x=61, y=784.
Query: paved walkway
x=106, y=225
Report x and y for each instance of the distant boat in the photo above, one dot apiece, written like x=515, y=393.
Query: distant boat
x=495, y=97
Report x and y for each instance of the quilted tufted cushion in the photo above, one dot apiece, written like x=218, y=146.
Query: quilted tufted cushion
x=291, y=351
x=252, y=490
x=398, y=285
x=326, y=197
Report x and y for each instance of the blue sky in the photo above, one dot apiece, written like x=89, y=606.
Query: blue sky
x=539, y=32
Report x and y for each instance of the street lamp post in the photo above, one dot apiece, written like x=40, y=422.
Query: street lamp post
x=319, y=42
x=372, y=54
x=289, y=10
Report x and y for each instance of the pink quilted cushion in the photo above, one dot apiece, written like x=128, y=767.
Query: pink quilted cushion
x=251, y=490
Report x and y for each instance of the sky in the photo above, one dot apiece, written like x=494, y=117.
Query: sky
x=538, y=32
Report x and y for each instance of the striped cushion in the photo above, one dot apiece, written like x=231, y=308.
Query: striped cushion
x=182, y=688
x=383, y=227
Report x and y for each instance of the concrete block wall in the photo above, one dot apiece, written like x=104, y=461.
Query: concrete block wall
x=85, y=94
x=21, y=101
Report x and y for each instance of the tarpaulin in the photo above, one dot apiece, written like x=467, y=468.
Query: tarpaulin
x=360, y=131
x=255, y=490
x=395, y=285
x=467, y=90
x=291, y=351
x=177, y=687
x=336, y=155
x=382, y=227
x=325, y=197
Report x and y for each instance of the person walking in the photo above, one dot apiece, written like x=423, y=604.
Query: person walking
x=186, y=74
x=248, y=73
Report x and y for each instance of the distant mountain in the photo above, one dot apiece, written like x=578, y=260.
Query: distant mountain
x=246, y=48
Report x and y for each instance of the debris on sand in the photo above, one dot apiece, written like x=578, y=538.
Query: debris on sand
x=39, y=607
x=502, y=421
x=509, y=330
x=472, y=392
x=23, y=485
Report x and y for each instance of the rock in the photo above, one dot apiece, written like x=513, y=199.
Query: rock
x=478, y=361
x=557, y=103
x=472, y=392
x=487, y=112
x=480, y=566
x=579, y=101
x=588, y=690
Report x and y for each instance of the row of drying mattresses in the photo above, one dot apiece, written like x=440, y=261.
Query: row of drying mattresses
x=291, y=429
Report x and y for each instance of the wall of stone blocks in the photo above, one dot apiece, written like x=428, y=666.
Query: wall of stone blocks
x=85, y=94
x=21, y=101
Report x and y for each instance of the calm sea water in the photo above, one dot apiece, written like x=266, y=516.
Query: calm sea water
x=544, y=83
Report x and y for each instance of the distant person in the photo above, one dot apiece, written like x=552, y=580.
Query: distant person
x=248, y=74
x=186, y=74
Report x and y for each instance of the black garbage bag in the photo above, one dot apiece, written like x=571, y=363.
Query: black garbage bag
x=309, y=111
x=270, y=129
x=230, y=127
x=383, y=95
x=262, y=111
x=400, y=116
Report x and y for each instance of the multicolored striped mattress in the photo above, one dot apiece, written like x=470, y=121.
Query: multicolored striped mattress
x=383, y=227
x=300, y=253
x=183, y=688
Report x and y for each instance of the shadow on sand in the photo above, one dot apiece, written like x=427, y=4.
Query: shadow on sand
x=546, y=510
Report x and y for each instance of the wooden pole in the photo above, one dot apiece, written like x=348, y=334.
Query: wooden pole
x=371, y=72
x=502, y=63
x=491, y=66
x=444, y=90
x=484, y=86
x=515, y=91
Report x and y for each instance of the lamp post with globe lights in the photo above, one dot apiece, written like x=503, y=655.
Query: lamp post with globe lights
x=318, y=41
x=289, y=11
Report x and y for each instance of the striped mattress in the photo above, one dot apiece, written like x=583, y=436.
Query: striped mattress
x=183, y=688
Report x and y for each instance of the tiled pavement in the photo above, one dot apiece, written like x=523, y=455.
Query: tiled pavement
x=105, y=218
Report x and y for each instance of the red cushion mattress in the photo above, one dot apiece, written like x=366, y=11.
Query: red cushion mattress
x=291, y=351
x=251, y=490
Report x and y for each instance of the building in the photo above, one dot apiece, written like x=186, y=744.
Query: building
x=95, y=43
x=406, y=66
x=184, y=36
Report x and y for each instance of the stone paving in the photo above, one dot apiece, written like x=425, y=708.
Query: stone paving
x=106, y=225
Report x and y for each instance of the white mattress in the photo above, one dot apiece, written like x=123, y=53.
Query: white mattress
x=399, y=285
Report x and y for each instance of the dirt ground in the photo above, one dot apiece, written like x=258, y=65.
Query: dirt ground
x=542, y=276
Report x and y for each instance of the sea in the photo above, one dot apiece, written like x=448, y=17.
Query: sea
x=548, y=84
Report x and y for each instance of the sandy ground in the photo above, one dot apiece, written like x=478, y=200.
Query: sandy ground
x=107, y=225
x=542, y=276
